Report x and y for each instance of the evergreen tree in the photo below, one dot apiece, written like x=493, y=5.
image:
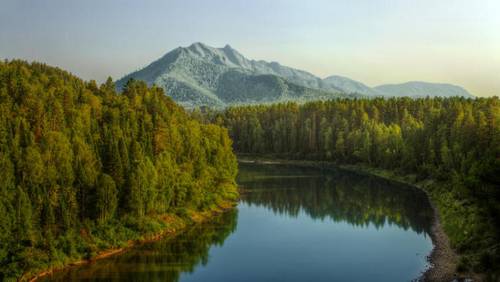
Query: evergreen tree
x=85, y=167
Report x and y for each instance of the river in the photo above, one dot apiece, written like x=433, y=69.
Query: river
x=291, y=224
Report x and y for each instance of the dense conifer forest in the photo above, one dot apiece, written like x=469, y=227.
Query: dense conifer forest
x=84, y=168
x=452, y=145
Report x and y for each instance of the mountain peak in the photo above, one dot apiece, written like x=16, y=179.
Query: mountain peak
x=199, y=48
x=198, y=45
x=199, y=75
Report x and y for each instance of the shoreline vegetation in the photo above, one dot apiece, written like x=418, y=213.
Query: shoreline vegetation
x=87, y=169
x=174, y=225
x=448, y=146
x=443, y=259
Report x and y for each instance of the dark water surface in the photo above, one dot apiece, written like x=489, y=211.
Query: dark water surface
x=292, y=224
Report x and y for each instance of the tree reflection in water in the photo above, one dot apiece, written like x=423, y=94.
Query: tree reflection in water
x=338, y=195
x=290, y=191
x=162, y=260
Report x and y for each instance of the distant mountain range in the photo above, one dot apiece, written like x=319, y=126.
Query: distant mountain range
x=422, y=89
x=348, y=85
x=200, y=75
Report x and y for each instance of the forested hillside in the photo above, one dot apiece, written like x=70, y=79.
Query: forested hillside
x=452, y=143
x=84, y=168
x=200, y=75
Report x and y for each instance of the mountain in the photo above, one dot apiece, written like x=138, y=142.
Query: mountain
x=348, y=85
x=202, y=75
x=422, y=89
x=409, y=89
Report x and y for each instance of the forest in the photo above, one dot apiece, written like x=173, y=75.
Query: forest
x=191, y=247
x=84, y=168
x=449, y=145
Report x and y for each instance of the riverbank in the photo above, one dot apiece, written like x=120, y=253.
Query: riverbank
x=443, y=259
x=173, y=225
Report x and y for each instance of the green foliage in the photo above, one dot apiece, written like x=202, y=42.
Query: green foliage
x=106, y=198
x=455, y=141
x=191, y=247
x=85, y=168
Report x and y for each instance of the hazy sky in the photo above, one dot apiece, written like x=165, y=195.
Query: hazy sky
x=374, y=41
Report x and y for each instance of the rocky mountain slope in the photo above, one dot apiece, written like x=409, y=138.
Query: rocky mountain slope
x=348, y=85
x=200, y=75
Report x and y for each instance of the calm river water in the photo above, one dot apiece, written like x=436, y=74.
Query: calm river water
x=292, y=224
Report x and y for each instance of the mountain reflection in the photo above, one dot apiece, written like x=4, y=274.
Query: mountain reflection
x=340, y=196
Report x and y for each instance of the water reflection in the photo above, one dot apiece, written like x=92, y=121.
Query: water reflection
x=337, y=195
x=293, y=224
x=163, y=260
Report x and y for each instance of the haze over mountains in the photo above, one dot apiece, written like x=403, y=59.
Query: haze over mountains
x=200, y=75
x=422, y=89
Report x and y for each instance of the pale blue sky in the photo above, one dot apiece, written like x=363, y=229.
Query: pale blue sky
x=374, y=41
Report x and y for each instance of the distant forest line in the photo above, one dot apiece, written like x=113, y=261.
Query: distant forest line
x=85, y=168
x=452, y=142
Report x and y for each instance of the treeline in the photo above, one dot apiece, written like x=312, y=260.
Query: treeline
x=454, y=141
x=84, y=168
x=163, y=260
